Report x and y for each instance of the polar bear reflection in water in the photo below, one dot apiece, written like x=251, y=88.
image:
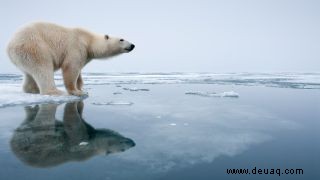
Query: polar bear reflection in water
x=43, y=141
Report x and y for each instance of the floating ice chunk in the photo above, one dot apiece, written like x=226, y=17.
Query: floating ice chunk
x=196, y=93
x=135, y=89
x=118, y=85
x=158, y=117
x=213, y=94
x=115, y=93
x=12, y=95
x=119, y=103
x=113, y=103
x=228, y=94
x=172, y=124
x=83, y=143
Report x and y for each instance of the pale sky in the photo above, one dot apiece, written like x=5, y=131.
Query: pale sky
x=185, y=35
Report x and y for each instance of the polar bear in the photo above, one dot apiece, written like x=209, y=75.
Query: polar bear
x=41, y=48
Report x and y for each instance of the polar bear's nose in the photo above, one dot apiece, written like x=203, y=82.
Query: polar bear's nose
x=132, y=47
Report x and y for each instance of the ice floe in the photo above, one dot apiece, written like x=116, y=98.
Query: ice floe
x=12, y=95
x=231, y=94
x=280, y=80
x=135, y=89
x=113, y=103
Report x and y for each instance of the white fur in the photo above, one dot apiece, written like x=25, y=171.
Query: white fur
x=39, y=49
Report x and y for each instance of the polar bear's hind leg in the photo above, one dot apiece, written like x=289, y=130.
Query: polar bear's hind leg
x=45, y=81
x=30, y=85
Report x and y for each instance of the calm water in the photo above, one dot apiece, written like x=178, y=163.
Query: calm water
x=164, y=134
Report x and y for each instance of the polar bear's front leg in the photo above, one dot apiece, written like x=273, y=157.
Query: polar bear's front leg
x=79, y=82
x=70, y=78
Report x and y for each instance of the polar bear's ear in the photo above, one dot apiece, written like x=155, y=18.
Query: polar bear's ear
x=106, y=37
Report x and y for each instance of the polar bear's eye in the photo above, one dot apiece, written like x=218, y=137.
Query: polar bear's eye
x=106, y=36
x=121, y=40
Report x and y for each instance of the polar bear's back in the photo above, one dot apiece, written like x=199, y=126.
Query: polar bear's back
x=48, y=32
x=40, y=43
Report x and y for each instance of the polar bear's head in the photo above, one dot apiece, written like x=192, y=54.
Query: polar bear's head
x=104, y=46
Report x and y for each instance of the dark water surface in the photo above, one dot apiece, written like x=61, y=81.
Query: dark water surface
x=164, y=134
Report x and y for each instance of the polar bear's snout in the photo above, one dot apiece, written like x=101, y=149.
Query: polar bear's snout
x=126, y=45
x=130, y=47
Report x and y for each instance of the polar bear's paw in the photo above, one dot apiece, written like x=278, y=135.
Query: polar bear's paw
x=56, y=92
x=78, y=93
